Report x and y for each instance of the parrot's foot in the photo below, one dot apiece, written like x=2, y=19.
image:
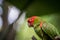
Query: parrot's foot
x=33, y=38
x=57, y=38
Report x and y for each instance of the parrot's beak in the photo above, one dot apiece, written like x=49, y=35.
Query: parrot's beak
x=30, y=25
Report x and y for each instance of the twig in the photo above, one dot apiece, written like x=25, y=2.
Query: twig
x=6, y=27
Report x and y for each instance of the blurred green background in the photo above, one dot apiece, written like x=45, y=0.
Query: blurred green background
x=48, y=10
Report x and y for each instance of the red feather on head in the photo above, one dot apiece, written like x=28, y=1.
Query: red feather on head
x=31, y=20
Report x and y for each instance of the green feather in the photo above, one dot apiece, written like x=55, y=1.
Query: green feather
x=50, y=29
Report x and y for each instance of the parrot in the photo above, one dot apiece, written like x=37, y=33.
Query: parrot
x=45, y=30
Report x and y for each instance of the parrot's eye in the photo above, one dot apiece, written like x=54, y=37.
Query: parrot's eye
x=31, y=20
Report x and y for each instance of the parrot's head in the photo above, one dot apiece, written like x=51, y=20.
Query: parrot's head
x=34, y=21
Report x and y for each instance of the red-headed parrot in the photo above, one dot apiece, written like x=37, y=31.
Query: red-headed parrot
x=42, y=28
